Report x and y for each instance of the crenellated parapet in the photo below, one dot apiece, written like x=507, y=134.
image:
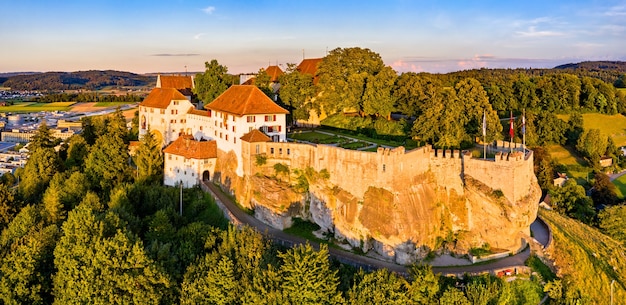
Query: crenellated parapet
x=355, y=170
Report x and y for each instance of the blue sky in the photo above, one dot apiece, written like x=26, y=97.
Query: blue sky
x=432, y=36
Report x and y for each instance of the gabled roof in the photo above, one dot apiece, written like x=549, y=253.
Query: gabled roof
x=186, y=146
x=274, y=72
x=174, y=81
x=309, y=66
x=243, y=99
x=255, y=135
x=161, y=97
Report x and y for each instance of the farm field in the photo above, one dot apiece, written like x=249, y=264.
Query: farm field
x=620, y=185
x=36, y=107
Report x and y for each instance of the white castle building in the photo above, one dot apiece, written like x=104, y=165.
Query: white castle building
x=192, y=136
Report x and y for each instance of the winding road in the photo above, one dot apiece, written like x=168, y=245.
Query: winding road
x=239, y=217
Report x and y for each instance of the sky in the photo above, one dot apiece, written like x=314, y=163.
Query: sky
x=419, y=36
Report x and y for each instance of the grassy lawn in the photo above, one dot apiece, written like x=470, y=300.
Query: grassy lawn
x=36, y=107
x=354, y=145
x=620, y=184
x=577, y=168
x=612, y=125
x=309, y=136
x=409, y=145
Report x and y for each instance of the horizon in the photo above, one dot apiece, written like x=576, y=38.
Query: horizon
x=411, y=36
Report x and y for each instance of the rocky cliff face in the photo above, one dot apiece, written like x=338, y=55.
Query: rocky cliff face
x=403, y=223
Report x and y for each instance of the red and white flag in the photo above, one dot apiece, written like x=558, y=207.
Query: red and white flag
x=511, y=129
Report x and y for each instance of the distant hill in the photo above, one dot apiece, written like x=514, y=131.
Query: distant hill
x=596, y=65
x=90, y=80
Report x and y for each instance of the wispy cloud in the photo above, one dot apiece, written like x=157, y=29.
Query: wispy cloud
x=209, y=10
x=198, y=36
x=616, y=11
x=533, y=32
x=176, y=54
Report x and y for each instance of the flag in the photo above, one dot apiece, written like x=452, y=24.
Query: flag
x=524, y=124
x=484, y=124
x=511, y=130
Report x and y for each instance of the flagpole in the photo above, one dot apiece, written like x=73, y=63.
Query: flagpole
x=484, y=136
x=511, y=132
x=524, y=131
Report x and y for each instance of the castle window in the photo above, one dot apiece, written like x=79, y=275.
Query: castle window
x=215, y=123
x=233, y=128
x=226, y=137
x=235, y=140
x=383, y=168
x=280, y=151
x=221, y=125
x=169, y=157
x=251, y=118
x=288, y=151
x=258, y=149
x=200, y=128
x=272, y=150
x=162, y=111
x=220, y=135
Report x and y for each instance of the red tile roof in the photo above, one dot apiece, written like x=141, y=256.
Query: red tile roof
x=309, y=66
x=255, y=135
x=198, y=112
x=161, y=97
x=175, y=81
x=274, y=72
x=241, y=100
x=186, y=146
x=250, y=81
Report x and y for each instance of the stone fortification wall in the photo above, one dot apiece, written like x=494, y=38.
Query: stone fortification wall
x=512, y=173
x=357, y=170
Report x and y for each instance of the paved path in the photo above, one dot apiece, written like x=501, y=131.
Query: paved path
x=617, y=175
x=238, y=216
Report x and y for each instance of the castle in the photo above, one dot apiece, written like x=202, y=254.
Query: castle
x=399, y=203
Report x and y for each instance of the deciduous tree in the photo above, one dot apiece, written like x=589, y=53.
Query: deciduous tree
x=212, y=82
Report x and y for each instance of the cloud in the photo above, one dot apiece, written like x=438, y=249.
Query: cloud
x=209, y=10
x=616, y=11
x=175, y=54
x=533, y=32
x=198, y=36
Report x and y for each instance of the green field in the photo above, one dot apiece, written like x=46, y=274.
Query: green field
x=587, y=259
x=36, y=107
x=620, y=185
x=611, y=125
x=577, y=168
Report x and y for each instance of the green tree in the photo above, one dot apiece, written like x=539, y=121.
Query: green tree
x=212, y=82
x=604, y=191
x=424, y=286
x=342, y=78
x=549, y=128
x=571, y=200
x=42, y=164
x=99, y=262
x=107, y=163
x=307, y=277
x=378, y=287
x=438, y=124
x=613, y=221
x=592, y=144
x=297, y=91
x=8, y=206
x=574, y=128
x=453, y=296
x=26, y=264
x=77, y=152
x=377, y=98
x=412, y=91
x=149, y=159
x=263, y=81
x=475, y=102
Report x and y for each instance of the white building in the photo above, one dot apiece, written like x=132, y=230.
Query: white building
x=170, y=114
x=188, y=161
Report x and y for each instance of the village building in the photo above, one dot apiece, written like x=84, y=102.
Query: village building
x=188, y=161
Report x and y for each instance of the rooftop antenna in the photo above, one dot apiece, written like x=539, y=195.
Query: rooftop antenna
x=302, y=54
x=185, y=70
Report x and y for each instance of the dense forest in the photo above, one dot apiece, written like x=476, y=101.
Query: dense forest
x=89, y=80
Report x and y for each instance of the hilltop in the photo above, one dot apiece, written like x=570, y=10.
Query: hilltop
x=596, y=65
x=90, y=80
